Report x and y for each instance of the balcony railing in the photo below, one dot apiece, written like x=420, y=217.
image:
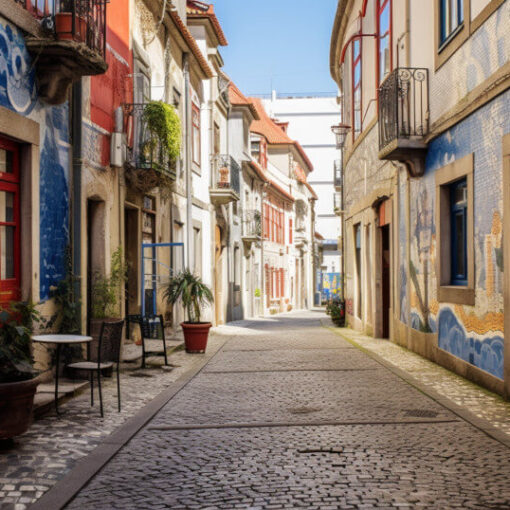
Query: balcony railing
x=82, y=21
x=252, y=224
x=226, y=172
x=144, y=151
x=403, y=108
x=338, y=173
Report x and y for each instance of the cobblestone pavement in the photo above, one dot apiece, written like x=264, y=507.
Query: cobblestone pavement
x=53, y=445
x=290, y=415
x=479, y=401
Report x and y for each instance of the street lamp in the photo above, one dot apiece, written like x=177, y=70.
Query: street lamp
x=340, y=131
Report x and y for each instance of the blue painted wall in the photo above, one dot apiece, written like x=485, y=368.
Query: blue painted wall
x=18, y=92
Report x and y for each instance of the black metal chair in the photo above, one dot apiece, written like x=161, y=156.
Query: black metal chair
x=152, y=327
x=108, y=354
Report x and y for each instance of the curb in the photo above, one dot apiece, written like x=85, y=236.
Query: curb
x=480, y=423
x=58, y=496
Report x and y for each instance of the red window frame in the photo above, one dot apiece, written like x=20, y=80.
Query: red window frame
x=10, y=288
x=356, y=61
x=195, y=125
x=381, y=6
x=290, y=231
x=268, y=284
x=282, y=282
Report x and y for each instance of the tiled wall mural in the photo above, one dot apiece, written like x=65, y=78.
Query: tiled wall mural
x=18, y=92
x=474, y=334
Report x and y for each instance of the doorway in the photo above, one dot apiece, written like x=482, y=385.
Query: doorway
x=95, y=249
x=10, y=284
x=218, y=275
x=386, y=279
x=132, y=249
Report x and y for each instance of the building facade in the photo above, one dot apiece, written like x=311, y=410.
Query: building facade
x=309, y=121
x=424, y=89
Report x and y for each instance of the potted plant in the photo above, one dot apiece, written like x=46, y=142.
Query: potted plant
x=18, y=379
x=194, y=295
x=105, y=297
x=64, y=22
x=337, y=312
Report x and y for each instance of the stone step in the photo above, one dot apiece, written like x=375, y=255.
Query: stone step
x=44, y=399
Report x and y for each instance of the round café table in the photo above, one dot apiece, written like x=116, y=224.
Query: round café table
x=60, y=340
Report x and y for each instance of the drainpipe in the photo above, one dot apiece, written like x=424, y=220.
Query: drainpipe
x=262, y=266
x=187, y=167
x=75, y=204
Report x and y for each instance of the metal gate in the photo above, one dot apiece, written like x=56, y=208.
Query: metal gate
x=155, y=272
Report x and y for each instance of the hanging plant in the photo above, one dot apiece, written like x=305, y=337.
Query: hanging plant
x=164, y=142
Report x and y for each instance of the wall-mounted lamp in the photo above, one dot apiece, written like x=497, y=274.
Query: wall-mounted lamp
x=340, y=131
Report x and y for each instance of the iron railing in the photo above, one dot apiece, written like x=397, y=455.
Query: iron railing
x=144, y=150
x=337, y=178
x=226, y=173
x=252, y=223
x=403, y=105
x=81, y=21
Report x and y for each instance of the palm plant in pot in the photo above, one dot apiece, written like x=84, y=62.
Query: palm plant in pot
x=194, y=295
x=18, y=379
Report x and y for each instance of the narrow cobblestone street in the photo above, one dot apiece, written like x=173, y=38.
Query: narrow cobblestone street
x=290, y=415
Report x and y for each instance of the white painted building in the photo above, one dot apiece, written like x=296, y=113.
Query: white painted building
x=310, y=119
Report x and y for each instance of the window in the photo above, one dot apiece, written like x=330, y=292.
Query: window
x=451, y=17
x=290, y=231
x=356, y=86
x=195, y=124
x=9, y=222
x=458, y=218
x=455, y=232
x=263, y=153
x=282, y=282
x=384, y=39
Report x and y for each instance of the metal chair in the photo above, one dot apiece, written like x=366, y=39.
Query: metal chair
x=152, y=328
x=108, y=354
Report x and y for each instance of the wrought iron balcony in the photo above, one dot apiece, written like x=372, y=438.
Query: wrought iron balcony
x=226, y=185
x=144, y=154
x=404, y=117
x=252, y=226
x=338, y=179
x=337, y=203
x=75, y=45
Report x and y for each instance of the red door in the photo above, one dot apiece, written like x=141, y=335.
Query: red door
x=9, y=222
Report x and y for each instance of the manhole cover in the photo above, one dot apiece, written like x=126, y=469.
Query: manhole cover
x=304, y=410
x=334, y=451
x=420, y=413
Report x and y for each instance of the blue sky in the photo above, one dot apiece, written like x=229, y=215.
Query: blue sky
x=280, y=42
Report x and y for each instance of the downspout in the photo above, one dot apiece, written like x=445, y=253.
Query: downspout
x=76, y=205
x=188, y=175
x=262, y=266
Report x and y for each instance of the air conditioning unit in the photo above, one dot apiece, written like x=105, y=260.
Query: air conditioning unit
x=117, y=149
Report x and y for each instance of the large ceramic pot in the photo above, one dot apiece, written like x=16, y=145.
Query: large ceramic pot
x=195, y=336
x=16, y=407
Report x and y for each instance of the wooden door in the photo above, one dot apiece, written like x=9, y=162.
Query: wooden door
x=10, y=280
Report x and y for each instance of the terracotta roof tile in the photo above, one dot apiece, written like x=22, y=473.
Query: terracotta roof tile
x=237, y=98
x=197, y=9
x=192, y=44
x=274, y=134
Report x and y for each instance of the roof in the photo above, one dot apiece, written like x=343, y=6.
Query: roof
x=311, y=190
x=258, y=170
x=273, y=133
x=280, y=191
x=237, y=98
x=196, y=9
x=192, y=44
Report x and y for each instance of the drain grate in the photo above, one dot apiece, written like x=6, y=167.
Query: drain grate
x=334, y=451
x=304, y=410
x=420, y=413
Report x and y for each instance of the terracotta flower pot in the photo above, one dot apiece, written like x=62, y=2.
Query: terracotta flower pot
x=16, y=407
x=64, y=27
x=195, y=336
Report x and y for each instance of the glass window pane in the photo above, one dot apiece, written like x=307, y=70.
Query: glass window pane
x=6, y=206
x=6, y=162
x=384, y=56
x=384, y=20
x=460, y=243
x=6, y=252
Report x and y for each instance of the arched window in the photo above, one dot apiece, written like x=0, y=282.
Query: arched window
x=356, y=86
